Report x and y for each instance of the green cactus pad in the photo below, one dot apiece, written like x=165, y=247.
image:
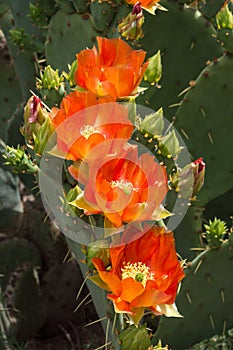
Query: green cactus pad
x=102, y=14
x=185, y=41
x=203, y=113
x=11, y=207
x=13, y=253
x=103, y=306
x=187, y=234
x=64, y=32
x=81, y=6
x=22, y=298
x=65, y=5
x=205, y=300
x=209, y=8
x=60, y=286
x=10, y=94
x=24, y=61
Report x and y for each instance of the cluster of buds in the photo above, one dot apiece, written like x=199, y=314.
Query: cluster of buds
x=37, y=126
x=19, y=161
x=131, y=26
x=215, y=233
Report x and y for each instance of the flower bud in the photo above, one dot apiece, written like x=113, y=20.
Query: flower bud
x=153, y=72
x=198, y=167
x=19, y=161
x=37, y=126
x=224, y=21
x=224, y=18
x=169, y=145
x=98, y=250
x=215, y=232
x=51, y=86
x=43, y=134
x=49, y=79
x=34, y=116
x=191, y=179
x=131, y=26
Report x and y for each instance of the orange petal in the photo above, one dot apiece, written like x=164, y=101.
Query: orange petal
x=115, y=218
x=109, y=278
x=107, y=51
x=130, y=289
x=150, y=297
x=120, y=305
x=122, y=79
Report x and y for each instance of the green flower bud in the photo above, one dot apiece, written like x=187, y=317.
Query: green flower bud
x=19, y=161
x=49, y=79
x=97, y=250
x=159, y=346
x=215, y=232
x=169, y=145
x=224, y=18
x=153, y=124
x=153, y=72
x=43, y=134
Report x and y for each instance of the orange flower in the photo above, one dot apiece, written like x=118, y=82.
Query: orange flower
x=78, y=133
x=122, y=186
x=115, y=70
x=149, y=5
x=144, y=274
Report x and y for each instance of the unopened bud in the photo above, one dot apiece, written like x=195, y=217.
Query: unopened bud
x=198, y=167
x=97, y=250
x=19, y=161
x=153, y=72
x=43, y=134
x=37, y=126
x=34, y=116
x=131, y=26
x=49, y=79
x=224, y=18
x=191, y=179
x=215, y=232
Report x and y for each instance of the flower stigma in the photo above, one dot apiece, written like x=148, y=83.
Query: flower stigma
x=138, y=271
x=87, y=130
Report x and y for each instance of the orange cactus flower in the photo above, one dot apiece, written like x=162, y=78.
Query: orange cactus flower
x=122, y=186
x=148, y=5
x=78, y=133
x=114, y=70
x=144, y=273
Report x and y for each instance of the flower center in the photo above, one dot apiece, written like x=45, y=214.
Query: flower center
x=124, y=185
x=138, y=271
x=87, y=130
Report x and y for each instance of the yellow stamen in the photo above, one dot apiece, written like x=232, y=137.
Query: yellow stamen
x=124, y=185
x=138, y=271
x=87, y=130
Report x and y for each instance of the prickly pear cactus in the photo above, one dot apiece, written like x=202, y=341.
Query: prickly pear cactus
x=10, y=93
x=184, y=53
x=203, y=112
x=195, y=88
x=204, y=299
x=11, y=207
